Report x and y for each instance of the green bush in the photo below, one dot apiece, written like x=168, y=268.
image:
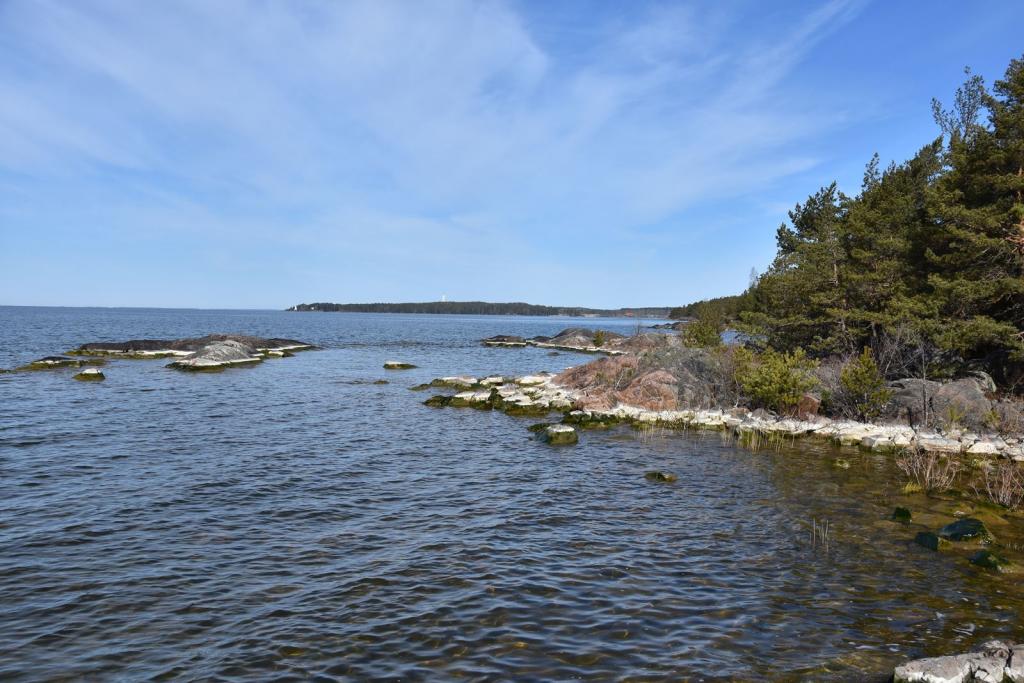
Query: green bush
x=863, y=387
x=775, y=380
x=705, y=332
x=599, y=338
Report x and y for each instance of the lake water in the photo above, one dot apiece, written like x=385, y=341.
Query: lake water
x=294, y=521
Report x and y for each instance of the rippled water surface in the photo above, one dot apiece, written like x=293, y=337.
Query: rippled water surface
x=295, y=521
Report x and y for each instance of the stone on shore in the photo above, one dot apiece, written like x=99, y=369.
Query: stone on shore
x=90, y=375
x=996, y=662
x=558, y=435
x=397, y=365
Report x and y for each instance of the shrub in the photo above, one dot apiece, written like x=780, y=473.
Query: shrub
x=862, y=389
x=599, y=338
x=775, y=380
x=1004, y=485
x=927, y=471
x=705, y=332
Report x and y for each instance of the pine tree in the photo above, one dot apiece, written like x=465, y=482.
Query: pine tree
x=976, y=252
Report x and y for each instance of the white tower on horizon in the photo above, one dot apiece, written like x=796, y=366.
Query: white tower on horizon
x=444, y=298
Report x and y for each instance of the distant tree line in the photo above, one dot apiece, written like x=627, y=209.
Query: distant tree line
x=480, y=308
x=924, y=266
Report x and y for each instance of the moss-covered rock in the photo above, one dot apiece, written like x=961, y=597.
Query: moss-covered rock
x=397, y=365
x=841, y=463
x=931, y=541
x=560, y=435
x=381, y=381
x=967, y=529
x=539, y=427
x=660, y=476
x=902, y=515
x=420, y=387
x=90, y=375
x=990, y=560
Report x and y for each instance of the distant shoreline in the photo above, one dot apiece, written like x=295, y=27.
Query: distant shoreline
x=484, y=308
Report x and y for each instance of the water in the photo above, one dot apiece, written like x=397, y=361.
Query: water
x=295, y=521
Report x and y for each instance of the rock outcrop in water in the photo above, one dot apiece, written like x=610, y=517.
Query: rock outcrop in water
x=90, y=375
x=217, y=356
x=58, y=362
x=200, y=354
x=164, y=348
x=996, y=662
x=578, y=339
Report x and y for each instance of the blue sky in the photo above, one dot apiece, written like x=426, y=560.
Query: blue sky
x=260, y=154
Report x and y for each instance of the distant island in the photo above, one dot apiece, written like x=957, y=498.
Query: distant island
x=485, y=308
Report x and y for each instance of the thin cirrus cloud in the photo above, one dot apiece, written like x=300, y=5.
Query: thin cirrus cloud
x=399, y=146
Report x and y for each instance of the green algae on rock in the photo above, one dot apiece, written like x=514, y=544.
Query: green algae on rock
x=90, y=375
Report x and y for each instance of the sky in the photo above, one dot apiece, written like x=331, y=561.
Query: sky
x=259, y=154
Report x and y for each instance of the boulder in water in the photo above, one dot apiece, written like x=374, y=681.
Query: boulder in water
x=559, y=435
x=661, y=477
x=397, y=365
x=90, y=375
x=967, y=529
x=990, y=560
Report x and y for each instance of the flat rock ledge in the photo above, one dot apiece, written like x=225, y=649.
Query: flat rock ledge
x=540, y=394
x=996, y=662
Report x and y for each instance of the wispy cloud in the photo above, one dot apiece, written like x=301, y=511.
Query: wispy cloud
x=444, y=131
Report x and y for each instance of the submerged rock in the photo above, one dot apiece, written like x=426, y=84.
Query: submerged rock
x=57, y=362
x=397, y=365
x=931, y=541
x=90, y=375
x=990, y=560
x=968, y=529
x=996, y=662
x=218, y=356
x=659, y=476
x=901, y=514
x=558, y=435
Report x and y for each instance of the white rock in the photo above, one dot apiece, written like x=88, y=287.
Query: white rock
x=983, y=448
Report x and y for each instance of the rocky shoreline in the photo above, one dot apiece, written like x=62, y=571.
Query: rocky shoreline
x=541, y=394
